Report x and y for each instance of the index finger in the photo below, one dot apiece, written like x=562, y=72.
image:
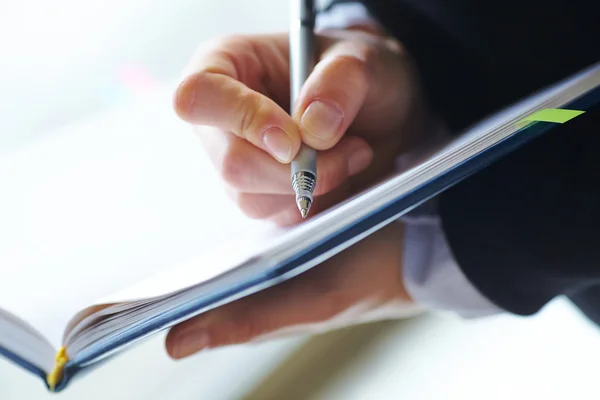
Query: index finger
x=222, y=90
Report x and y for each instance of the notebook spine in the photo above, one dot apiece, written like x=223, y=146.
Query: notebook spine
x=54, y=377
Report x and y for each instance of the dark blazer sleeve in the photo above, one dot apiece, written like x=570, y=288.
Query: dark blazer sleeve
x=527, y=228
x=476, y=56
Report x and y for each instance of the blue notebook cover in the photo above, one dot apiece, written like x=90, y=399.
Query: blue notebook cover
x=243, y=281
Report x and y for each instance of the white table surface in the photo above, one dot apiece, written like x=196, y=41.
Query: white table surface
x=552, y=356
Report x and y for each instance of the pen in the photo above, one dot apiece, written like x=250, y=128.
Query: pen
x=302, y=61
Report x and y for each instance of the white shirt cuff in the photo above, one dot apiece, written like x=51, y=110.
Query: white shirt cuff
x=431, y=275
x=344, y=15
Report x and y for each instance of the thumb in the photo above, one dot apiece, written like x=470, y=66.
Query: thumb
x=365, y=80
x=333, y=94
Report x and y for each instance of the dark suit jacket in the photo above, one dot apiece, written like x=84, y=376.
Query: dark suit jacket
x=527, y=228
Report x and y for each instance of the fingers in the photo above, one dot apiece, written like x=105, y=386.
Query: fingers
x=333, y=94
x=363, y=282
x=303, y=300
x=248, y=170
x=224, y=84
x=218, y=92
x=369, y=79
x=208, y=98
x=242, y=166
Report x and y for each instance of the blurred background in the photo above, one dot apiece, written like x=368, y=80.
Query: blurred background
x=66, y=60
x=90, y=74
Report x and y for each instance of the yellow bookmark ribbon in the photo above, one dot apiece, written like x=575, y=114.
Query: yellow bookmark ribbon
x=54, y=377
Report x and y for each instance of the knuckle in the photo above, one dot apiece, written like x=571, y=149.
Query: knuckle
x=229, y=48
x=248, y=113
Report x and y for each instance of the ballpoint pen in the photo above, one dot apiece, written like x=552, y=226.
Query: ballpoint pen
x=302, y=61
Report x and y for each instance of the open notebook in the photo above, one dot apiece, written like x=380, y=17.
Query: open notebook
x=59, y=326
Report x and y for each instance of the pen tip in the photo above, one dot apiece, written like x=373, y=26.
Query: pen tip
x=304, y=205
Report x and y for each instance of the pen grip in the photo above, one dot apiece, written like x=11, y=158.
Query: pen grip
x=305, y=160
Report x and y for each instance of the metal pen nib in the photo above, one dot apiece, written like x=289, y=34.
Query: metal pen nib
x=304, y=206
x=303, y=183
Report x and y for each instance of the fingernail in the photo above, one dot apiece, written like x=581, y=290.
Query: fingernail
x=278, y=143
x=189, y=343
x=322, y=120
x=359, y=160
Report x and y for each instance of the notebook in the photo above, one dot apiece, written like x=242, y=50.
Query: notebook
x=61, y=338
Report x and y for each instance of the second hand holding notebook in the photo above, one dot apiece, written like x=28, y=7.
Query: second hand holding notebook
x=262, y=259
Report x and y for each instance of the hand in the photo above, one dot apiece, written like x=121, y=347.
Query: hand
x=360, y=108
x=360, y=284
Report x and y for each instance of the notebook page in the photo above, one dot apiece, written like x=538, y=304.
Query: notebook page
x=102, y=205
x=206, y=266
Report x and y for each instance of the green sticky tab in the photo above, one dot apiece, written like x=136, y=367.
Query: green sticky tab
x=556, y=115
